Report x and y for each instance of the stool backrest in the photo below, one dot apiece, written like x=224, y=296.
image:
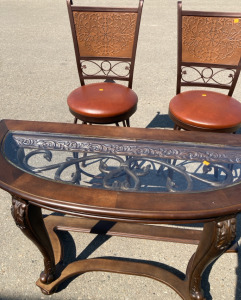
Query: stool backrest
x=209, y=49
x=105, y=41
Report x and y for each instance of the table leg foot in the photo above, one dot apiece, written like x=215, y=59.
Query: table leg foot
x=45, y=292
x=216, y=238
x=29, y=219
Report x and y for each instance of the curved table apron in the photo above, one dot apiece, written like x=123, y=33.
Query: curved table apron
x=121, y=208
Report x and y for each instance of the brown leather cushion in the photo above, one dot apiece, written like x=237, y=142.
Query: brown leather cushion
x=206, y=109
x=102, y=100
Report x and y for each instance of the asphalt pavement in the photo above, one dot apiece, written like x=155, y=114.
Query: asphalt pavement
x=37, y=72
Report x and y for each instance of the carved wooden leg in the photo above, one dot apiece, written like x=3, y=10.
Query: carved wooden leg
x=29, y=219
x=216, y=238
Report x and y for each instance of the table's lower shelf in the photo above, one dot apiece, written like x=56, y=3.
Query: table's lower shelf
x=162, y=233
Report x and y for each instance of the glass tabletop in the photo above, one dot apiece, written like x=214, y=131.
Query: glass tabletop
x=124, y=165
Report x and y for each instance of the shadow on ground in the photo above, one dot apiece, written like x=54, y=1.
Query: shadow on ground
x=161, y=121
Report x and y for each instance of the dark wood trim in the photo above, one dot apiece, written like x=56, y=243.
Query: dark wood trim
x=104, y=9
x=236, y=76
x=76, y=46
x=119, y=132
x=193, y=64
x=211, y=85
x=179, y=46
x=211, y=14
x=104, y=77
x=106, y=58
x=138, y=21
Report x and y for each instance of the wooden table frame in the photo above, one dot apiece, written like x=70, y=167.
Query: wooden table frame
x=110, y=217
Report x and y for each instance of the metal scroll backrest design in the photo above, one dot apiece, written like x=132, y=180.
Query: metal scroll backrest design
x=209, y=49
x=105, y=41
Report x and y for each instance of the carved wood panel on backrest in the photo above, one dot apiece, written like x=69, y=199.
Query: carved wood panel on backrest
x=214, y=40
x=105, y=34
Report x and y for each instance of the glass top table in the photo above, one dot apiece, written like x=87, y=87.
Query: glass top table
x=124, y=165
x=122, y=177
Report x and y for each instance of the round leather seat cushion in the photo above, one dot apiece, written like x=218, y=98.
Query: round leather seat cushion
x=206, y=109
x=102, y=100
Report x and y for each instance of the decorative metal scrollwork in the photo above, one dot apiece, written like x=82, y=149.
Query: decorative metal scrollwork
x=159, y=149
x=106, y=68
x=153, y=166
x=115, y=172
x=207, y=75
